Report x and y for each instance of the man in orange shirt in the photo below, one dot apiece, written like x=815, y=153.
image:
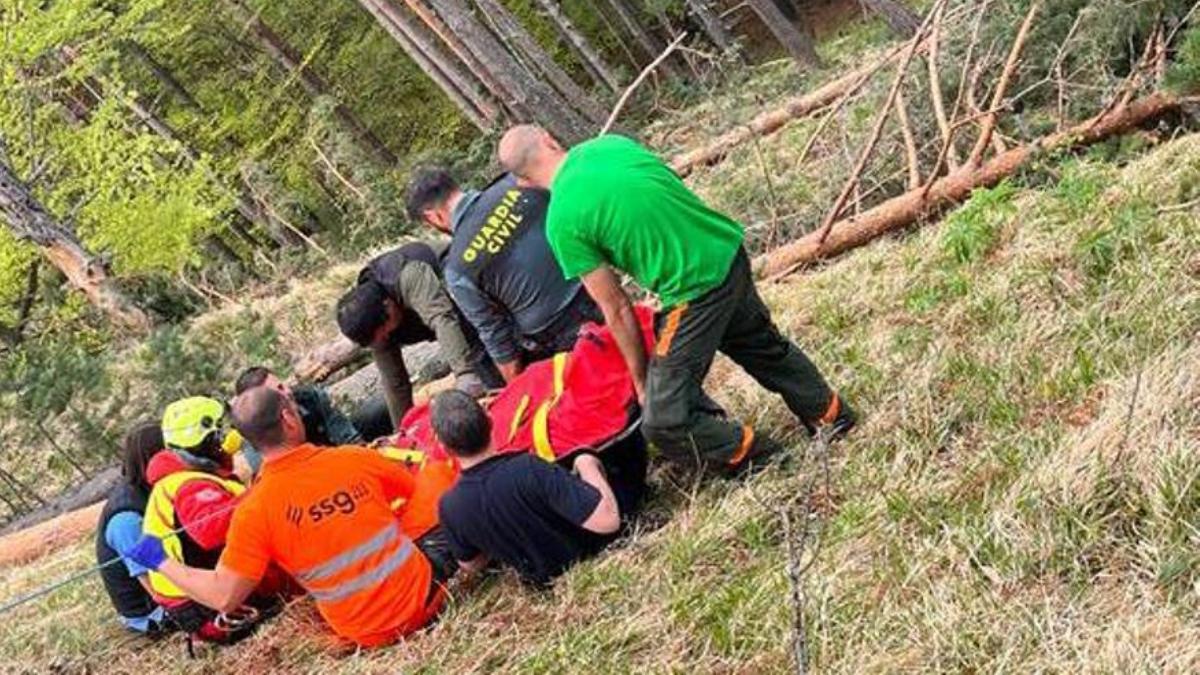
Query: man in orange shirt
x=326, y=516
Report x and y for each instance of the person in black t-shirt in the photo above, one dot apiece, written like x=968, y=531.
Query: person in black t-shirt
x=515, y=508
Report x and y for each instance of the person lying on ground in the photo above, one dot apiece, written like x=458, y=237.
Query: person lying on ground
x=325, y=515
x=189, y=510
x=617, y=207
x=515, y=508
x=120, y=528
x=499, y=268
x=399, y=300
x=323, y=424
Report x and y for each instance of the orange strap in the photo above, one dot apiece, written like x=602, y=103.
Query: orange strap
x=668, y=332
x=744, y=448
x=832, y=412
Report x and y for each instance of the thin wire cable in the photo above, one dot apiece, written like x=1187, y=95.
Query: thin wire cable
x=83, y=574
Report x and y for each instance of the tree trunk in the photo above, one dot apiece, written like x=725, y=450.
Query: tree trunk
x=798, y=43
x=519, y=40
x=671, y=32
x=902, y=20
x=588, y=55
x=713, y=26
x=546, y=106
x=908, y=208
x=459, y=49
x=445, y=74
x=242, y=201
x=19, y=488
x=28, y=220
x=290, y=61
x=645, y=40
x=598, y=9
x=160, y=73
x=41, y=427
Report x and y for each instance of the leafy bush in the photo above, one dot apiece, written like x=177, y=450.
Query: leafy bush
x=1183, y=76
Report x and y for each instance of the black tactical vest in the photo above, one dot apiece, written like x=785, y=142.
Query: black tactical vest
x=385, y=270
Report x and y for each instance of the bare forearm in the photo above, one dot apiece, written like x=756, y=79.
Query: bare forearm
x=624, y=326
x=210, y=588
x=605, y=288
x=510, y=370
x=606, y=519
x=473, y=566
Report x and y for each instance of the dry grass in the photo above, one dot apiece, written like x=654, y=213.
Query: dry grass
x=1000, y=509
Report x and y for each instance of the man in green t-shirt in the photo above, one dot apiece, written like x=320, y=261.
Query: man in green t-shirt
x=614, y=205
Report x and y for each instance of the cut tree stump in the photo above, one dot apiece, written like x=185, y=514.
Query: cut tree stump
x=907, y=209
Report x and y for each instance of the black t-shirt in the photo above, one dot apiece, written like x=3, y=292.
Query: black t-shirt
x=522, y=511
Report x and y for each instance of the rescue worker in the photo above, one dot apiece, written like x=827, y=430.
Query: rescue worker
x=516, y=508
x=325, y=515
x=499, y=268
x=617, y=207
x=120, y=528
x=189, y=508
x=399, y=300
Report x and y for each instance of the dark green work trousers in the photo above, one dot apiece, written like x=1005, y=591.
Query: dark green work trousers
x=679, y=418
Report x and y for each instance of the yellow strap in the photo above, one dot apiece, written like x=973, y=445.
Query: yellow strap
x=517, y=417
x=406, y=455
x=560, y=368
x=541, y=419
x=541, y=432
x=160, y=519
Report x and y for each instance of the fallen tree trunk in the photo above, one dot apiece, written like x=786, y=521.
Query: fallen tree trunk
x=773, y=120
x=908, y=208
x=320, y=364
x=325, y=360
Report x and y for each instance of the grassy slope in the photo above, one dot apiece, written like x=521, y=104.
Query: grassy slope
x=1023, y=494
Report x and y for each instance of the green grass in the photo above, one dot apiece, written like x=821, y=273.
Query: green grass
x=1022, y=496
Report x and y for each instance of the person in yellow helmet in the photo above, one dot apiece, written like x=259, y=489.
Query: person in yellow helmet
x=191, y=503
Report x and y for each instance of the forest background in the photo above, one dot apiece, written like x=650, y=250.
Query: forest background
x=170, y=169
x=163, y=158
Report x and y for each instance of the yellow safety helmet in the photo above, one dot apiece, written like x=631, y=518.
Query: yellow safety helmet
x=188, y=422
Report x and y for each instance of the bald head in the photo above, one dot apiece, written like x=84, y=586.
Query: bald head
x=267, y=418
x=531, y=154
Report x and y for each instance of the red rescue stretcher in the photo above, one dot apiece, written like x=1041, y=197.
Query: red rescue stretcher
x=582, y=399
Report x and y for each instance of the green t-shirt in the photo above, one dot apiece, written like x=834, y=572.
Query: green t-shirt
x=614, y=202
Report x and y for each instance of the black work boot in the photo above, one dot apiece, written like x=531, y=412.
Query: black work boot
x=763, y=452
x=846, y=420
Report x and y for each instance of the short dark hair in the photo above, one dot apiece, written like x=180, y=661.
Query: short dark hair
x=250, y=378
x=460, y=423
x=257, y=414
x=142, y=443
x=428, y=188
x=361, y=311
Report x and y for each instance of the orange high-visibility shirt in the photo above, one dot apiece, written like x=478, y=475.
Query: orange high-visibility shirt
x=324, y=515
